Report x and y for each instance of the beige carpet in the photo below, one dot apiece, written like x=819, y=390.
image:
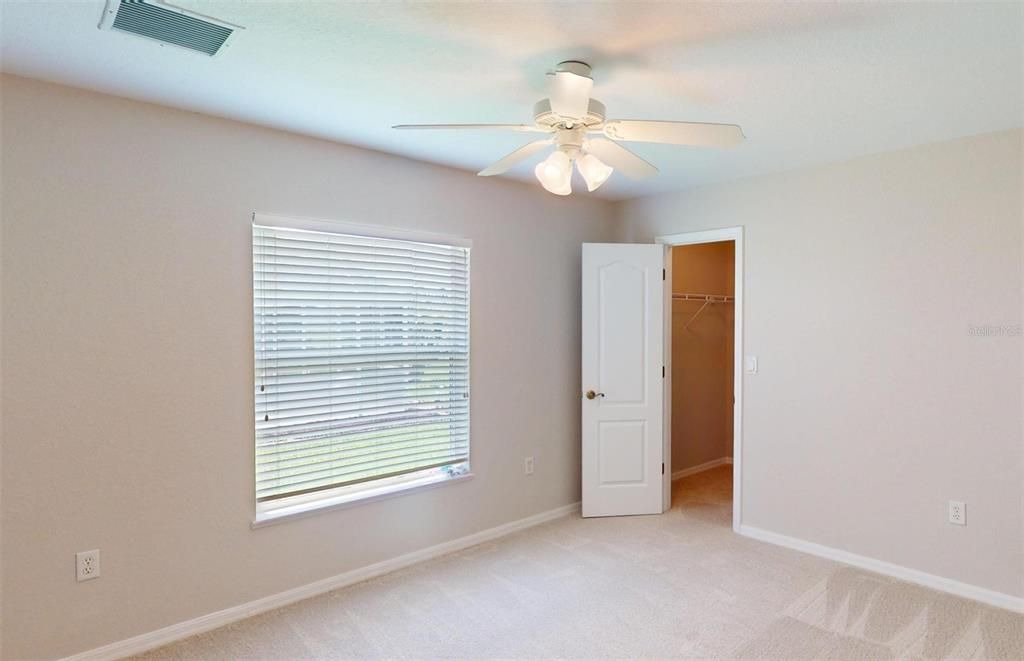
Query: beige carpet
x=680, y=585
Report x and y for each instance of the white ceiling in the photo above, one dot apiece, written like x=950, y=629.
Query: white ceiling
x=809, y=82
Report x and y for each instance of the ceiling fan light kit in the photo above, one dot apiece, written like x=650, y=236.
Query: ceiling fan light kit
x=555, y=172
x=580, y=133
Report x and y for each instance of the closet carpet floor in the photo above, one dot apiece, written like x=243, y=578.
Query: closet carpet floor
x=681, y=585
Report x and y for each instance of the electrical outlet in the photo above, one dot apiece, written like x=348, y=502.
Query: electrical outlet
x=87, y=564
x=528, y=466
x=958, y=512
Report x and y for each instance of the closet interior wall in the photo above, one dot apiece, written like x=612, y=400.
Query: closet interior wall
x=702, y=355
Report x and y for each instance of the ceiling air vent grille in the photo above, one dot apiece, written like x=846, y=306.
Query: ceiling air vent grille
x=168, y=24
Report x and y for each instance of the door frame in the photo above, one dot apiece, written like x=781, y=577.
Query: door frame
x=734, y=234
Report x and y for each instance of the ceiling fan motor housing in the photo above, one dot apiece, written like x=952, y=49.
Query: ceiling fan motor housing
x=571, y=140
x=576, y=67
x=546, y=118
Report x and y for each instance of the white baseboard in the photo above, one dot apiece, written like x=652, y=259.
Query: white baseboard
x=700, y=468
x=203, y=623
x=984, y=595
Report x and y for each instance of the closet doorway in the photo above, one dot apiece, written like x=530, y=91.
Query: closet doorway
x=704, y=371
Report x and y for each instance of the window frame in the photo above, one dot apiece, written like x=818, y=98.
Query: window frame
x=301, y=505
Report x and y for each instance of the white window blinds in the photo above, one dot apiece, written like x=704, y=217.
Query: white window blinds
x=362, y=359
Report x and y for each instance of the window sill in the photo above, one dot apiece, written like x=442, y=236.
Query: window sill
x=300, y=510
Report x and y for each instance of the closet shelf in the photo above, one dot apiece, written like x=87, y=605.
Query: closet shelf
x=710, y=298
x=707, y=299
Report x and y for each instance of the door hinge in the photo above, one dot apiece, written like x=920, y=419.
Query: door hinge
x=663, y=371
x=663, y=468
x=662, y=274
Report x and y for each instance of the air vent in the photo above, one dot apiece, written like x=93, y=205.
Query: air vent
x=168, y=24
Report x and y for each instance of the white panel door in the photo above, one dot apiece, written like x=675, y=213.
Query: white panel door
x=623, y=327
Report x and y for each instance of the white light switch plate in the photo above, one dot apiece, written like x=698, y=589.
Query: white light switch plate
x=750, y=364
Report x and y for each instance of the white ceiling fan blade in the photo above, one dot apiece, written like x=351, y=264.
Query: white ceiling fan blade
x=518, y=155
x=522, y=128
x=569, y=93
x=620, y=158
x=674, y=133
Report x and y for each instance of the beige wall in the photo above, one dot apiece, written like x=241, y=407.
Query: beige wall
x=874, y=404
x=127, y=359
x=2, y=621
x=702, y=361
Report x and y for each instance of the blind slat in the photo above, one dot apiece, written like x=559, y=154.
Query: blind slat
x=306, y=416
x=290, y=447
x=313, y=486
x=361, y=245
x=408, y=267
x=362, y=358
x=396, y=323
x=281, y=467
x=294, y=381
x=414, y=458
x=356, y=426
x=326, y=398
x=315, y=381
x=292, y=450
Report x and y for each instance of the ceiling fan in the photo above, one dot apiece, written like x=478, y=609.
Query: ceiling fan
x=575, y=124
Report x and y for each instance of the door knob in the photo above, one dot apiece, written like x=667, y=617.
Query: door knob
x=591, y=394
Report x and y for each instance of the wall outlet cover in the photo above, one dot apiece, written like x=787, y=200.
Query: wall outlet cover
x=87, y=565
x=958, y=512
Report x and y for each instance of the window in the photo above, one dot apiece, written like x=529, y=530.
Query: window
x=362, y=362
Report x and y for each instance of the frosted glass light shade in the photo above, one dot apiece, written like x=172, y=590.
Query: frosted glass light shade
x=555, y=173
x=593, y=170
